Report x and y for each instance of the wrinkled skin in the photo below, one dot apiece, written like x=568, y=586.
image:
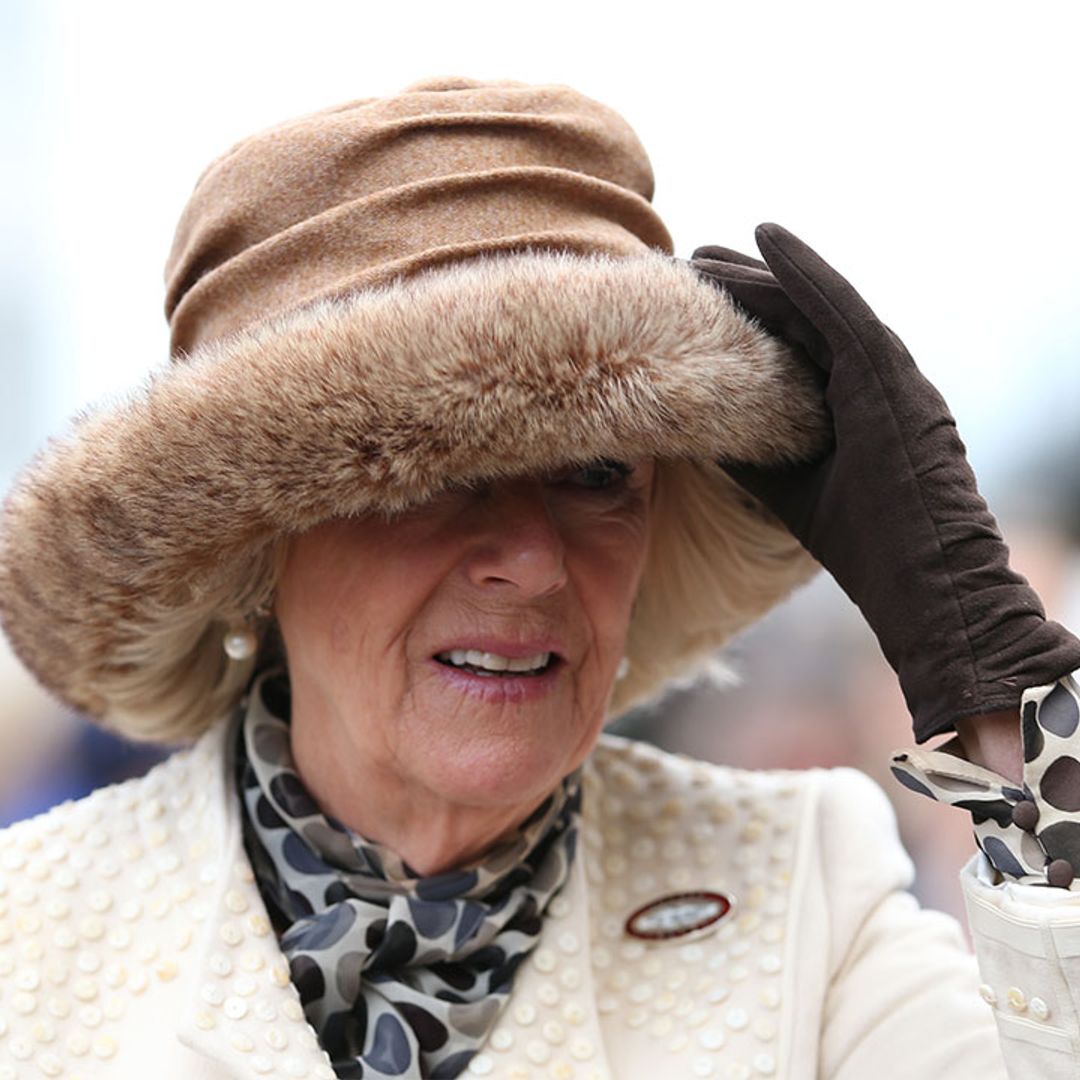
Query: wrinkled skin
x=431, y=761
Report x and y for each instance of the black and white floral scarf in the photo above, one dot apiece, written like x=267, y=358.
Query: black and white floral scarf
x=400, y=975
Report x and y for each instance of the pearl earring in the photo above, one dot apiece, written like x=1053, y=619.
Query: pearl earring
x=240, y=641
x=623, y=669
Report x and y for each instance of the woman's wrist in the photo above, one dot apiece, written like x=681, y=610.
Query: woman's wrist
x=992, y=740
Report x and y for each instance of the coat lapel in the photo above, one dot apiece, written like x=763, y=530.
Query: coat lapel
x=241, y=1010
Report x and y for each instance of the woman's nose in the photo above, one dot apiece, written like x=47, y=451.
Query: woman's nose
x=520, y=546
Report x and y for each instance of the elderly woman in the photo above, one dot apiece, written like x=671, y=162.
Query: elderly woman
x=442, y=477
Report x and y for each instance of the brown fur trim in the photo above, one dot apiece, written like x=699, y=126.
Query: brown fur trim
x=495, y=366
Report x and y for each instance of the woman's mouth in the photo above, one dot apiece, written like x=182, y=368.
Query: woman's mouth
x=494, y=665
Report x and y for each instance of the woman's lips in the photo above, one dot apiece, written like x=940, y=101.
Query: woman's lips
x=503, y=687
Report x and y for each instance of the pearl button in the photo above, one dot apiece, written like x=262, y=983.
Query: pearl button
x=548, y=994
x=23, y=1003
x=99, y=901
x=553, y=1031
x=1039, y=1009
x=104, y=1046
x=986, y=992
x=231, y=934
x=544, y=960
x=259, y=925
x=90, y=1016
x=265, y=1011
x=220, y=965
x=697, y=1018
x=275, y=1038
x=1016, y=999
x=65, y=937
x=92, y=928
x=166, y=970
x=764, y=1028
x=764, y=1064
x=293, y=1010
x=502, y=1039
x=702, y=1066
x=242, y=1042
x=235, y=902
x=537, y=1052
x=251, y=961
x=88, y=962
x=78, y=1043
x=737, y=1019
x=169, y=863
x=43, y=1031
x=711, y=1038
x=481, y=1065
x=130, y=910
x=524, y=1013
x=235, y=1008
x=50, y=1065
x=21, y=1048
x=559, y=907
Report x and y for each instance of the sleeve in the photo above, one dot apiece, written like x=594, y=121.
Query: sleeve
x=902, y=998
x=1029, y=834
x=1027, y=939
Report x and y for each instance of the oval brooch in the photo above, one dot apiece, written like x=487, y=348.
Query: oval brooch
x=678, y=915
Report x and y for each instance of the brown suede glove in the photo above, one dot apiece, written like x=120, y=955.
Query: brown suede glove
x=893, y=511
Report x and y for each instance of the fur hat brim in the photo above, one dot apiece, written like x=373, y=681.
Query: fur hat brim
x=494, y=366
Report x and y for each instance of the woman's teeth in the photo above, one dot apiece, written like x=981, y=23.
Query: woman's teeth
x=486, y=663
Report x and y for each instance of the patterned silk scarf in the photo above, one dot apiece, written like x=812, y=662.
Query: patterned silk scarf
x=400, y=975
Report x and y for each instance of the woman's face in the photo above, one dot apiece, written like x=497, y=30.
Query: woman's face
x=403, y=636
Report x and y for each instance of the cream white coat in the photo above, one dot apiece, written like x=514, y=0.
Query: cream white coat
x=134, y=944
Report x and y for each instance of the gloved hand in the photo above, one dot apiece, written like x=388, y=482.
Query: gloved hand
x=892, y=511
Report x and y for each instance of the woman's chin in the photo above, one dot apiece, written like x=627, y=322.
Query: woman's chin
x=491, y=740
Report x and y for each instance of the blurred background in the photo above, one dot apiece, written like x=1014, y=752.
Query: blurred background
x=926, y=150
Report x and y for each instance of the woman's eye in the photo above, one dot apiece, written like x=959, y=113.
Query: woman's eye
x=599, y=475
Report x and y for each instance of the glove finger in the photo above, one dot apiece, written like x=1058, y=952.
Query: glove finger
x=824, y=296
x=728, y=255
x=761, y=297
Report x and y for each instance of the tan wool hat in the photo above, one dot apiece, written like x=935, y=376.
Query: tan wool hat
x=463, y=281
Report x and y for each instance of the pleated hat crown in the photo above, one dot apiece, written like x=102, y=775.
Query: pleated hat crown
x=461, y=282
x=355, y=196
